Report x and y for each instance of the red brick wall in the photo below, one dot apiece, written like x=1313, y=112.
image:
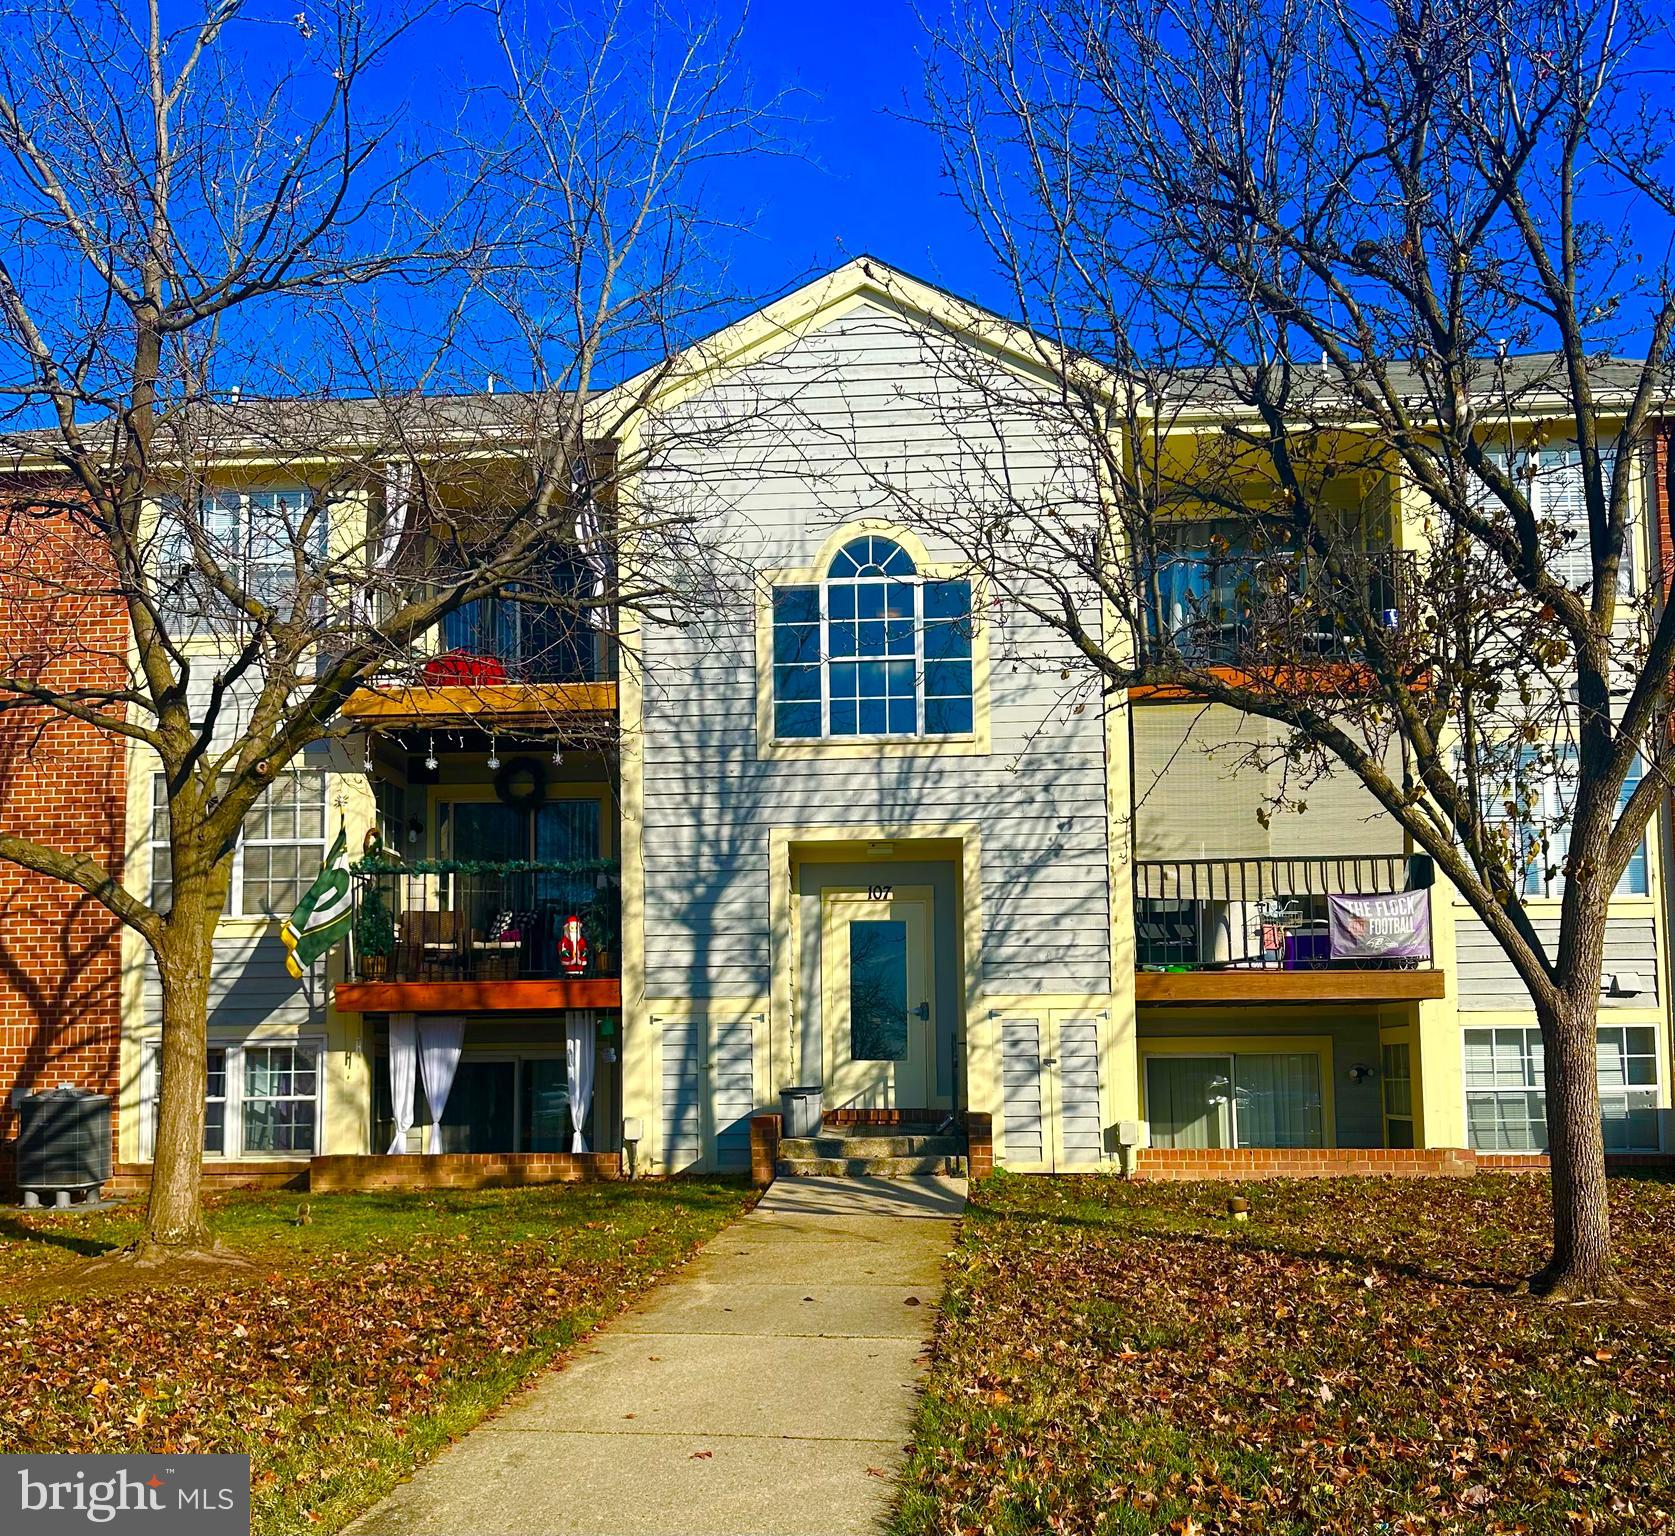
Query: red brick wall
x=460, y=1170
x=62, y=784
x=1661, y=470
x=291, y=1173
x=1254, y=1163
x=1348, y=1162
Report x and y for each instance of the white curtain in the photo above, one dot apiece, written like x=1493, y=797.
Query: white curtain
x=440, y=1039
x=384, y=541
x=1279, y=1100
x=590, y=541
x=403, y=1061
x=579, y=1032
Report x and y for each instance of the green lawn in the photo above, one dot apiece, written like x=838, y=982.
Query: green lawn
x=1122, y=1358
x=360, y=1342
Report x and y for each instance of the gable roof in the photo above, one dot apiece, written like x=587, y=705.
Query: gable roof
x=862, y=280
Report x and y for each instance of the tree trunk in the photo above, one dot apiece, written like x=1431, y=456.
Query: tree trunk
x=1580, y=1268
x=174, y=1218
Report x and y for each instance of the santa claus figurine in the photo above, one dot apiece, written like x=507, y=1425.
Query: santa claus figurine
x=572, y=947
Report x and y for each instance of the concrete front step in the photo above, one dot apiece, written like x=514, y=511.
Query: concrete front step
x=898, y=1144
x=870, y=1167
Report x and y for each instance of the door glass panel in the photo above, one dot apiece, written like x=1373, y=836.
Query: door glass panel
x=878, y=991
x=478, y=1114
x=566, y=832
x=1278, y=1100
x=546, y=1107
x=490, y=832
x=1186, y=1098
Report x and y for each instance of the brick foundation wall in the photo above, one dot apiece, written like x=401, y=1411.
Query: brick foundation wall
x=135, y=1178
x=979, y=1144
x=764, y=1149
x=62, y=784
x=1158, y=1163
x=461, y=1170
x=882, y=1117
x=1315, y=1163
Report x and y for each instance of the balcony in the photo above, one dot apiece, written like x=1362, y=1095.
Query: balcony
x=1345, y=929
x=1276, y=608
x=513, y=657
x=459, y=936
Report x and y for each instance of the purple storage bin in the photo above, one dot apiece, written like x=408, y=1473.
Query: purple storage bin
x=1307, y=949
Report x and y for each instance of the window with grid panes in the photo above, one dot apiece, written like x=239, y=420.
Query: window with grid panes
x=281, y=846
x=278, y=1098
x=215, y=1100
x=1506, y=1088
x=253, y=537
x=873, y=650
x=1398, y=1095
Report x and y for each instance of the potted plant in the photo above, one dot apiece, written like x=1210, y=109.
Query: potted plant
x=601, y=920
x=374, y=933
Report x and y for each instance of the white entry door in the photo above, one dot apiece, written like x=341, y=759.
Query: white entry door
x=878, y=1008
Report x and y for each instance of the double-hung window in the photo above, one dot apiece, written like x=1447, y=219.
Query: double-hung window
x=1506, y=1088
x=874, y=650
x=262, y=1099
x=280, y=848
x=1559, y=497
x=1543, y=796
x=253, y=538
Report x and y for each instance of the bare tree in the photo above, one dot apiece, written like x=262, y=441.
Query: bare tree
x=1312, y=281
x=248, y=316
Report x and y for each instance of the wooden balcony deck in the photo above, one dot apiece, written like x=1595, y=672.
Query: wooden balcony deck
x=1250, y=985
x=523, y=996
x=467, y=703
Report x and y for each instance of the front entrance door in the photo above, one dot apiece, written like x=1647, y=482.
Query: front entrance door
x=878, y=1005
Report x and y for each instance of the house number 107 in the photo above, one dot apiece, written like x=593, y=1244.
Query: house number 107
x=881, y=892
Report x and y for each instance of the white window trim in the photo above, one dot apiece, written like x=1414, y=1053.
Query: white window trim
x=235, y=889
x=1654, y=1089
x=233, y=1139
x=823, y=586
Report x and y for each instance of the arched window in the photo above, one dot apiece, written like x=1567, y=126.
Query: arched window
x=873, y=650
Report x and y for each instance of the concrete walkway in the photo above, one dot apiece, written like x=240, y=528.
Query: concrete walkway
x=767, y=1390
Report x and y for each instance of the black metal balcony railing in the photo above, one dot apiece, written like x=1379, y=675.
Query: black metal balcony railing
x=1258, y=913
x=452, y=921
x=1278, y=607
x=512, y=640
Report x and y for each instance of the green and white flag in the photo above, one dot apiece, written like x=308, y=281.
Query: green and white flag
x=322, y=918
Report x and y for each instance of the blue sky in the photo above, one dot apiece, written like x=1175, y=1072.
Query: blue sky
x=869, y=182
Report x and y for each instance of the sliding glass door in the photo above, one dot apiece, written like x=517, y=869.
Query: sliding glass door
x=1189, y=1100
x=1243, y=1099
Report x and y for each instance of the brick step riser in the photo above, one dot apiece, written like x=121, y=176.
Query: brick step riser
x=871, y=1146
x=870, y=1167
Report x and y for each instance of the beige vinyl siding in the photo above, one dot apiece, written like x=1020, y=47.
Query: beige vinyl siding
x=816, y=432
x=1195, y=797
x=1487, y=981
